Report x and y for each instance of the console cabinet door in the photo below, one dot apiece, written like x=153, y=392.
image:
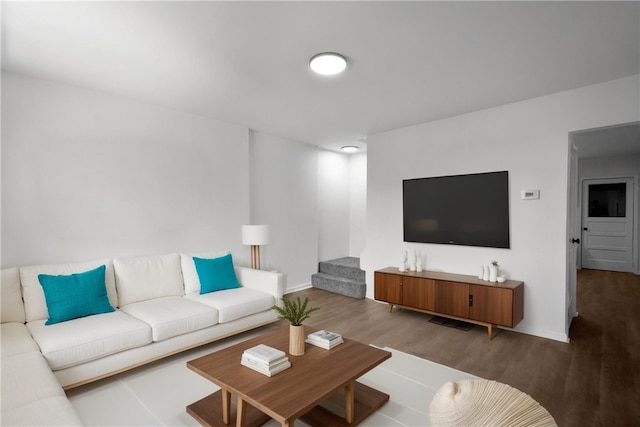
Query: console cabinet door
x=491, y=305
x=388, y=287
x=452, y=298
x=418, y=293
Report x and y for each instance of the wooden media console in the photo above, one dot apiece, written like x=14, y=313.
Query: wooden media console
x=454, y=296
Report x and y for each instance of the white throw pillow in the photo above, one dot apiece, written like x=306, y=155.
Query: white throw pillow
x=144, y=278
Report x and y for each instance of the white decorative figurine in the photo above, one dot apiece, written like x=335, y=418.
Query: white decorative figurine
x=403, y=262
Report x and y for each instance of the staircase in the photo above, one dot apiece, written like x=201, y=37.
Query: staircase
x=342, y=276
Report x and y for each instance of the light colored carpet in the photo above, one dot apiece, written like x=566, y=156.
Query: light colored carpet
x=157, y=394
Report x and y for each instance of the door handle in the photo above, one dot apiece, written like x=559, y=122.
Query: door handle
x=585, y=229
x=575, y=240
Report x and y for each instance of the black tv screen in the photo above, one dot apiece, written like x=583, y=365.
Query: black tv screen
x=469, y=210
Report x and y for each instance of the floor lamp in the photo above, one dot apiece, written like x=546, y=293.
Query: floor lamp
x=255, y=235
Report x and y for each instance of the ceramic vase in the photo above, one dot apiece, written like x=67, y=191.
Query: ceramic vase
x=296, y=340
x=493, y=273
x=482, y=270
x=485, y=274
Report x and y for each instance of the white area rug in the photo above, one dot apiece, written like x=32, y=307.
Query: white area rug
x=157, y=394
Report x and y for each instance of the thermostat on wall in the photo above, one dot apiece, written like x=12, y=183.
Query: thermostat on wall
x=530, y=194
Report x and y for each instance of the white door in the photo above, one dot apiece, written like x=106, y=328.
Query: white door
x=607, y=224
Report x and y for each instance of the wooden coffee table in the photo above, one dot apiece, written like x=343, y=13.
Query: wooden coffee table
x=320, y=388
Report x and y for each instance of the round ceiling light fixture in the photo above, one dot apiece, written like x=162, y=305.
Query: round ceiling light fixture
x=328, y=63
x=349, y=148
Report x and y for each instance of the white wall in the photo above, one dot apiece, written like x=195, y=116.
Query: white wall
x=530, y=140
x=87, y=175
x=333, y=205
x=609, y=167
x=358, y=204
x=284, y=195
x=303, y=193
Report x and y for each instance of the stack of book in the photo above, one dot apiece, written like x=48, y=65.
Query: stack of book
x=266, y=360
x=325, y=339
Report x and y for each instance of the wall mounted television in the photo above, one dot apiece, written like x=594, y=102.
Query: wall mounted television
x=468, y=210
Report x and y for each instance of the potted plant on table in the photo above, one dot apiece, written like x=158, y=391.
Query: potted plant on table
x=295, y=312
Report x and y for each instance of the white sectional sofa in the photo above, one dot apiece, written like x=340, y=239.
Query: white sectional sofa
x=158, y=310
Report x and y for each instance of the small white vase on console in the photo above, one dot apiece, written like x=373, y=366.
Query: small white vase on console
x=493, y=273
x=485, y=272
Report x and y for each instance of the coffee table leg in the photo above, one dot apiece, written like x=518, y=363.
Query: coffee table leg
x=226, y=405
x=242, y=412
x=349, y=402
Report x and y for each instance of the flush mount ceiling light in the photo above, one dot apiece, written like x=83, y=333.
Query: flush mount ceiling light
x=349, y=148
x=328, y=63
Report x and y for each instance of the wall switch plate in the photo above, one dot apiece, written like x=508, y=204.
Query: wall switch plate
x=530, y=194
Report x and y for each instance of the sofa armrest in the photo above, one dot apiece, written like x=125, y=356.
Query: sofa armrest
x=267, y=281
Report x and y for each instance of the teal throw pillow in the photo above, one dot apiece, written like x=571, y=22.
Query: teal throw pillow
x=75, y=295
x=216, y=274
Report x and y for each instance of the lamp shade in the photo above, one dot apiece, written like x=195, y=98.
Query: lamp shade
x=255, y=234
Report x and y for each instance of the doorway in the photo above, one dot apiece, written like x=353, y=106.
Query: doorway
x=607, y=224
x=599, y=154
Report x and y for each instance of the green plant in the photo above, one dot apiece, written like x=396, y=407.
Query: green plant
x=495, y=263
x=296, y=311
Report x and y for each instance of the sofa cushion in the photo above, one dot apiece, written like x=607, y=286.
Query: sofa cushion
x=171, y=316
x=88, y=338
x=236, y=303
x=51, y=411
x=189, y=273
x=16, y=339
x=144, y=278
x=12, y=308
x=216, y=274
x=34, y=301
x=27, y=378
x=76, y=295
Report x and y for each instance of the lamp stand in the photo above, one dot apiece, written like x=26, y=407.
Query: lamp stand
x=255, y=257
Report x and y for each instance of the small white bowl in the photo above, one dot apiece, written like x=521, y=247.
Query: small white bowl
x=501, y=279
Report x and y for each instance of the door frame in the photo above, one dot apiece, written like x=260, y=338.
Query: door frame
x=574, y=254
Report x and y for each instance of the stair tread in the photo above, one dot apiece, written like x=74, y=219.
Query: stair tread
x=345, y=267
x=337, y=278
x=352, y=262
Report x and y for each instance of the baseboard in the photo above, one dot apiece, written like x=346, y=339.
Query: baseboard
x=542, y=334
x=297, y=288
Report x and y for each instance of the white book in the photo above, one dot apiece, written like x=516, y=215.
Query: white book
x=249, y=357
x=265, y=353
x=268, y=372
x=324, y=336
x=248, y=360
x=326, y=346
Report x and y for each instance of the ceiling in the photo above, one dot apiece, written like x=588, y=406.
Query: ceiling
x=247, y=62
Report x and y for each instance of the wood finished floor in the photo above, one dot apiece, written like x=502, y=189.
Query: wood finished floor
x=592, y=381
